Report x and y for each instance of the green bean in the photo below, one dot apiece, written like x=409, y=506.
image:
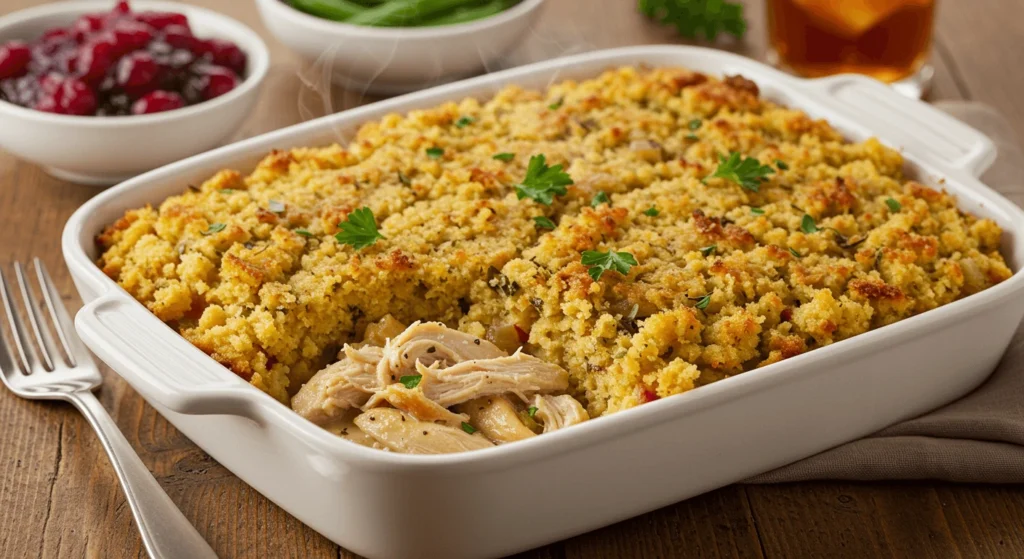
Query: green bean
x=338, y=10
x=405, y=12
x=470, y=13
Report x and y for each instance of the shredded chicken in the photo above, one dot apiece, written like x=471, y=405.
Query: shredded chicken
x=416, y=404
x=496, y=418
x=518, y=374
x=558, y=412
x=427, y=343
x=403, y=433
x=349, y=383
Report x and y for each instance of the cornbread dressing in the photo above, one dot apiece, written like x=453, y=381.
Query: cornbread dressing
x=728, y=278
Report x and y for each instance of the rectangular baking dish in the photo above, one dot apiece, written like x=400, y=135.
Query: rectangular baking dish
x=514, y=497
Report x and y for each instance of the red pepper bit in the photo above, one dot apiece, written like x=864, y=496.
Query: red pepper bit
x=649, y=395
x=523, y=336
x=787, y=314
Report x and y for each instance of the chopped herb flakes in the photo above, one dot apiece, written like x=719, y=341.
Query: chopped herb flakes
x=506, y=157
x=543, y=183
x=747, y=172
x=435, y=153
x=710, y=249
x=403, y=179
x=598, y=199
x=794, y=252
x=781, y=165
x=411, y=381
x=894, y=206
x=214, y=228
x=756, y=211
x=303, y=232
x=556, y=105
x=694, y=124
x=468, y=428
x=693, y=137
x=359, y=230
x=227, y=191
x=597, y=262
x=651, y=211
x=807, y=224
x=543, y=222
x=531, y=411
x=464, y=121
x=275, y=206
x=703, y=302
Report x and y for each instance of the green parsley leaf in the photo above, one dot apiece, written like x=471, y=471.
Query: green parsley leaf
x=794, y=252
x=227, y=191
x=464, y=121
x=746, y=172
x=359, y=230
x=894, y=205
x=694, y=124
x=710, y=249
x=543, y=222
x=214, y=228
x=411, y=381
x=781, y=165
x=543, y=183
x=506, y=157
x=435, y=153
x=697, y=17
x=598, y=199
x=275, y=206
x=303, y=232
x=807, y=224
x=468, y=428
x=703, y=302
x=531, y=411
x=756, y=211
x=693, y=137
x=651, y=211
x=556, y=105
x=597, y=262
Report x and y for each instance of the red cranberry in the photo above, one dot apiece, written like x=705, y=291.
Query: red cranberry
x=136, y=70
x=132, y=34
x=179, y=36
x=72, y=97
x=86, y=25
x=157, y=101
x=226, y=53
x=94, y=59
x=56, y=33
x=121, y=8
x=160, y=20
x=14, y=59
x=49, y=83
x=214, y=81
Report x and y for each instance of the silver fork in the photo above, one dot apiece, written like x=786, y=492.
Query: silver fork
x=42, y=371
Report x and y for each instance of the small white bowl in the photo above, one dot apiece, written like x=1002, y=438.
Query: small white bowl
x=107, y=150
x=390, y=60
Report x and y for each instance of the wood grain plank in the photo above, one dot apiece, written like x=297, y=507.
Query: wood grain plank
x=987, y=520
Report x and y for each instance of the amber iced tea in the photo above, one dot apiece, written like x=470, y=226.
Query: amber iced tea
x=886, y=39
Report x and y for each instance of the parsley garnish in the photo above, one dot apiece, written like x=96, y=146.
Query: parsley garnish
x=543, y=183
x=303, y=232
x=598, y=199
x=506, y=157
x=468, y=428
x=694, y=124
x=435, y=153
x=411, y=381
x=781, y=165
x=543, y=222
x=275, y=206
x=703, y=302
x=556, y=105
x=531, y=411
x=794, y=252
x=652, y=211
x=359, y=230
x=807, y=224
x=710, y=249
x=694, y=17
x=597, y=262
x=464, y=121
x=746, y=172
x=227, y=190
x=692, y=137
x=894, y=205
x=214, y=228
x=756, y=211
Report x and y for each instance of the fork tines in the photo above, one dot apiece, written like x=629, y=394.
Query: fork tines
x=26, y=356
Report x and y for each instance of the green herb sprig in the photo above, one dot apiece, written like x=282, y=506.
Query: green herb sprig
x=747, y=172
x=542, y=183
x=359, y=230
x=697, y=17
x=598, y=262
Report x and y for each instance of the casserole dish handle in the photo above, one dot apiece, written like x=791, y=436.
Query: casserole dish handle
x=175, y=374
x=952, y=144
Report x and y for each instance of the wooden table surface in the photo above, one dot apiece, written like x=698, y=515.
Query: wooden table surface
x=59, y=496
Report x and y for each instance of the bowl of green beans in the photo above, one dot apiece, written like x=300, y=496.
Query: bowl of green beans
x=396, y=46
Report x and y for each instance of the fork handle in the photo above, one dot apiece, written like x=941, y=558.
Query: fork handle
x=165, y=531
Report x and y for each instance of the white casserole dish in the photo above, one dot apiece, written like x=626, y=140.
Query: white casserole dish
x=502, y=500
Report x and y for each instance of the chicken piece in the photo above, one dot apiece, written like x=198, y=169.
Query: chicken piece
x=345, y=428
x=519, y=374
x=413, y=402
x=401, y=432
x=349, y=383
x=558, y=412
x=496, y=418
x=428, y=343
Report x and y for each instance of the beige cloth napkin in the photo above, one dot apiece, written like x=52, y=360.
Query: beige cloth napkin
x=979, y=438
